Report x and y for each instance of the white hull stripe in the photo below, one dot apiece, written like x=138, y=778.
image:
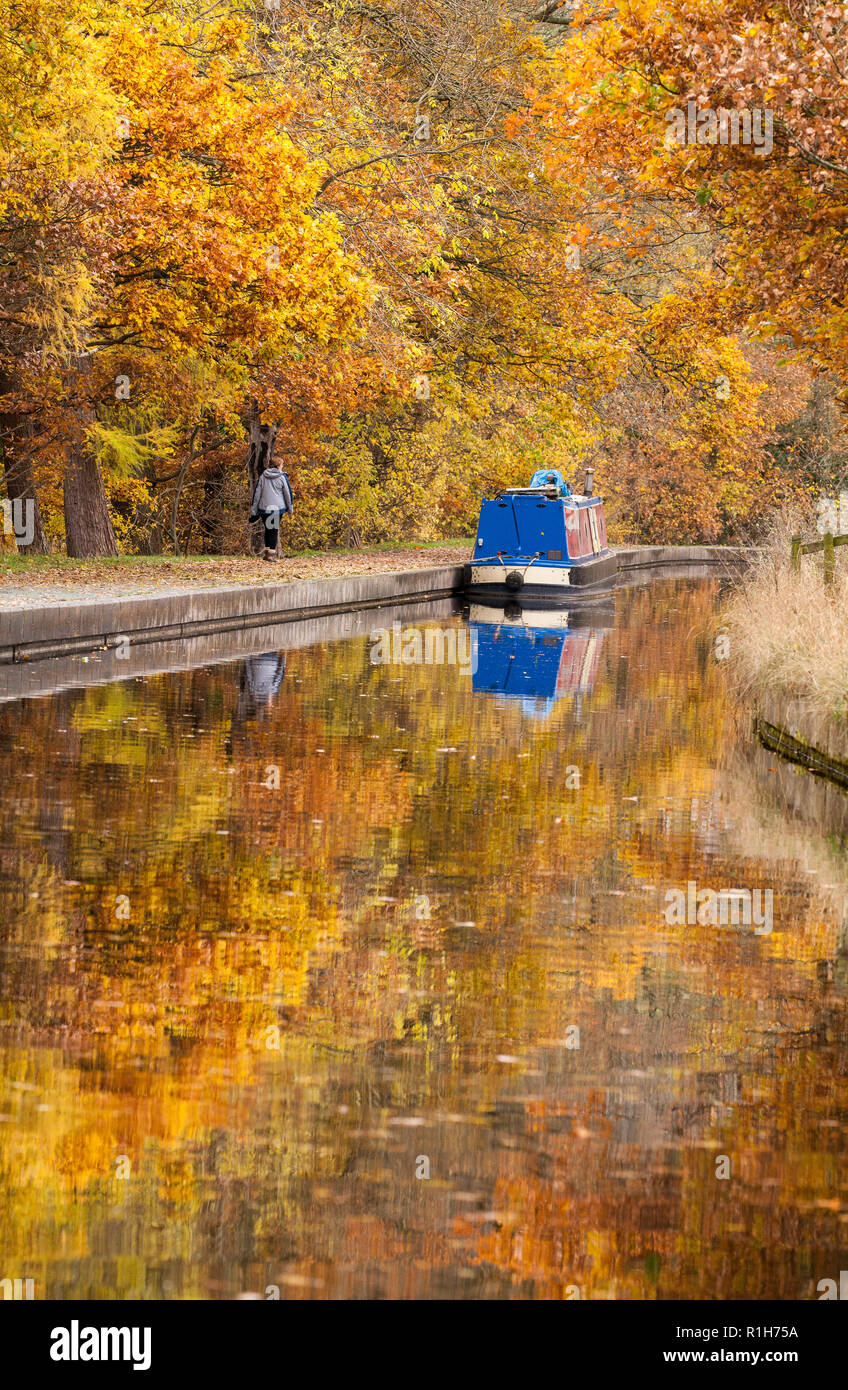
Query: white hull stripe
x=529, y=618
x=554, y=575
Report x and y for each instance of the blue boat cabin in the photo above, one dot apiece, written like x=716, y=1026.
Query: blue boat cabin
x=539, y=534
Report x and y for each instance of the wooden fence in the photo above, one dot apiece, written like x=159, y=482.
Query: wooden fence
x=827, y=544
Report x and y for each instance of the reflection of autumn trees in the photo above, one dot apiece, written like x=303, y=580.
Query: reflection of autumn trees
x=316, y=983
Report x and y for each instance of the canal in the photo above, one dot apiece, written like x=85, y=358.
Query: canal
x=345, y=972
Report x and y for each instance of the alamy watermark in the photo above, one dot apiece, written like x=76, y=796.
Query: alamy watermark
x=77, y=1343
x=19, y=519
x=17, y=1289
x=832, y=515
x=828, y=1288
x=431, y=646
x=705, y=126
x=725, y=907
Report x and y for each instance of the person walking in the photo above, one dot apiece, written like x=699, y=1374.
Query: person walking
x=272, y=498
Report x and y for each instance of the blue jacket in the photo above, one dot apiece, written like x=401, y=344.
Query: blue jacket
x=271, y=494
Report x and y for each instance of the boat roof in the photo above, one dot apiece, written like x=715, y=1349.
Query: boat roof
x=577, y=497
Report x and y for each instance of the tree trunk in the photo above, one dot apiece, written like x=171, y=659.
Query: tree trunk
x=16, y=434
x=211, y=518
x=88, y=526
x=175, y=502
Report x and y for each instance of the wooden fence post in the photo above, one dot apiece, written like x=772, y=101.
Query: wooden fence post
x=796, y=554
x=829, y=558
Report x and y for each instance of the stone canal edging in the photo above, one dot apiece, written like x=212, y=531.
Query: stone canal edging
x=77, y=628
x=652, y=556
x=82, y=627
x=29, y=679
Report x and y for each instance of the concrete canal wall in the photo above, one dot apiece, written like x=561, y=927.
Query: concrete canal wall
x=66, y=629
x=190, y=628
x=152, y=657
x=656, y=556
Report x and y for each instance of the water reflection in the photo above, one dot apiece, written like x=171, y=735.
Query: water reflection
x=260, y=681
x=239, y=1011
x=538, y=655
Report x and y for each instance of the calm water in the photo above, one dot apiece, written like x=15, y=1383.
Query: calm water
x=355, y=980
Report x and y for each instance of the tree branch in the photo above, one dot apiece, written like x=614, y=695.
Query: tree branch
x=547, y=13
x=399, y=154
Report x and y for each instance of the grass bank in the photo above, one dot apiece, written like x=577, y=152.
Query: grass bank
x=788, y=631
x=787, y=653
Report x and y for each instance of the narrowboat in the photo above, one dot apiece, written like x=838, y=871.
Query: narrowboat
x=537, y=656
x=541, y=540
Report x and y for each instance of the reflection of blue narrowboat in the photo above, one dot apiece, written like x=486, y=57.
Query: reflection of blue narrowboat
x=541, y=539
x=537, y=656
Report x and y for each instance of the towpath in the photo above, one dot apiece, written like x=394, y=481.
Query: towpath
x=47, y=581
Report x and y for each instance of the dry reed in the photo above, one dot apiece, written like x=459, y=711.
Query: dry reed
x=789, y=632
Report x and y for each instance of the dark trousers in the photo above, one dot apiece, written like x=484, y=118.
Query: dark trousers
x=271, y=522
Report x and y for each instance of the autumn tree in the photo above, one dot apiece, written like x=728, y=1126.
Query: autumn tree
x=202, y=259
x=419, y=244
x=55, y=118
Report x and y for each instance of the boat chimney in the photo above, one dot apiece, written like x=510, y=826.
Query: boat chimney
x=590, y=473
